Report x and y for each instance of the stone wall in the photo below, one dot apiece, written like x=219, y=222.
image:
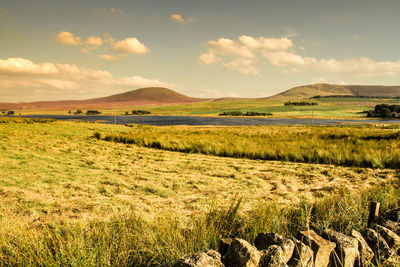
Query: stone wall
x=377, y=245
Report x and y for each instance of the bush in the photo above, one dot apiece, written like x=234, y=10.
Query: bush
x=97, y=135
x=140, y=112
x=78, y=112
x=93, y=112
x=384, y=111
x=10, y=112
x=301, y=103
x=248, y=113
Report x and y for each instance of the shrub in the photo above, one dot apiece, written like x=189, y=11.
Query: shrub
x=384, y=111
x=10, y=112
x=93, y=112
x=248, y=113
x=78, y=112
x=301, y=103
x=97, y=135
x=140, y=112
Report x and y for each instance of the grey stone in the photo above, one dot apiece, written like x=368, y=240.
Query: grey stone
x=210, y=258
x=302, y=255
x=224, y=244
x=391, y=238
x=241, y=253
x=365, y=253
x=391, y=225
x=346, y=249
x=377, y=244
x=393, y=215
x=265, y=240
x=272, y=257
x=321, y=247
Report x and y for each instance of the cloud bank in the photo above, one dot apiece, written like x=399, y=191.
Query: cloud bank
x=23, y=80
x=116, y=50
x=243, y=55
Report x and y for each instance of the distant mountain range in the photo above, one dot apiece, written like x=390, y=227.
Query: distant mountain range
x=164, y=96
x=323, y=89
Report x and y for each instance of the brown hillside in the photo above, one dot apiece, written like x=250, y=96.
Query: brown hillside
x=149, y=94
x=322, y=89
x=143, y=96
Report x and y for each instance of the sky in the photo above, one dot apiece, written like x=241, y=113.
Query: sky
x=54, y=49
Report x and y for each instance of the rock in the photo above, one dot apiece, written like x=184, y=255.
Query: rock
x=302, y=255
x=287, y=246
x=241, y=253
x=377, y=244
x=265, y=240
x=321, y=248
x=224, y=244
x=272, y=257
x=393, y=215
x=391, y=225
x=365, y=253
x=391, y=238
x=210, y=258
x=346, y=248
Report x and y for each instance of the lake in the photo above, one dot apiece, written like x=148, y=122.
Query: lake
x=196, y=120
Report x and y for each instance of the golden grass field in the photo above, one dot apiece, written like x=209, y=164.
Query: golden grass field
x=62, y=191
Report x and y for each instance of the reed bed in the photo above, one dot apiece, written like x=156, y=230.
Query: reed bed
x=358, y=146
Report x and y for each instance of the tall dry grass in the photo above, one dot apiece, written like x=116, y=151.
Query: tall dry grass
x=131, y=240
x=366, y=146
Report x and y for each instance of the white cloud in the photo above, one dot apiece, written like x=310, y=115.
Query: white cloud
x=284, y=58
x=110, y=57
x=242, y=56
x=130, y=45
x=243, y=65
x=94, y=40
x=117, y=49
x=67, y=38
x=24, y=80
x=177, y=18
x=26, y=67
x=209, y=58
x=180, y=19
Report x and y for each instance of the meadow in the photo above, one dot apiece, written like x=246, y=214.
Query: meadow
x=358, y=146
x=68, y=197
x=326, y=108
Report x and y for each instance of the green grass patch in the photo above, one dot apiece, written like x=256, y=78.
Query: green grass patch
x=361, y=146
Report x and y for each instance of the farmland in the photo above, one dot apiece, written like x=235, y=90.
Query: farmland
x=100, y=202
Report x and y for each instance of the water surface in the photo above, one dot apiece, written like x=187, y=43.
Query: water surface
x=196, y=120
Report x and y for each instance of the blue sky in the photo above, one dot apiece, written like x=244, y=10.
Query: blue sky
x=80, y=49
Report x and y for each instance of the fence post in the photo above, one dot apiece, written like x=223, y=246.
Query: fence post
x=373, y=212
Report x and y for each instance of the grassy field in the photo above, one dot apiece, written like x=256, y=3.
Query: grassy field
x=68, y=198
x=358, y=146
x=326, y=108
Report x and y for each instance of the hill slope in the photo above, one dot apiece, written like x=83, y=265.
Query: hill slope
x=143, y=96
x=322, y=89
